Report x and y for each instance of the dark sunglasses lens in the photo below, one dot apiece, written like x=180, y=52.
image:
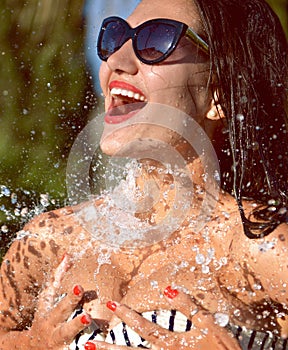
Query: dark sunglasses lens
x=112, y=37
x=156, y=40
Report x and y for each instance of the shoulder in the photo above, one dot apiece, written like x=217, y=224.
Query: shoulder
x=28, y=263
x=275, y=245
x=268, y=259
x=59, y=229
x=272, y=247
x=42, y=238
x=264, y=260
x=35, y=252
x=262, y=254
x=51, y=221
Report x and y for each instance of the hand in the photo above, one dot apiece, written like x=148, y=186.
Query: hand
x=50, y=328
x=204, y=334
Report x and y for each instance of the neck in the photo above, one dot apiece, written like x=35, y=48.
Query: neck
x=166, y=191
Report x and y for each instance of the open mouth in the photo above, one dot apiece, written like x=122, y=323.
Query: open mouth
x=125, y=104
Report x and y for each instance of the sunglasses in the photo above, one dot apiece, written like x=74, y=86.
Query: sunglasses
x=153, y=41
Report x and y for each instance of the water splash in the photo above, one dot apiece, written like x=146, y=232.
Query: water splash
x=18, y=206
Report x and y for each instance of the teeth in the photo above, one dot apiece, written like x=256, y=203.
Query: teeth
x=127, y=93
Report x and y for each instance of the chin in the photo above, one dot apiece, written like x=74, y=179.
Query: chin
x=117, y=146
x=110, y=146
x=121, y=141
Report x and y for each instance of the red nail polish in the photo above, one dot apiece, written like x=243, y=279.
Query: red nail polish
x=85, y=319
x=89, y=346
x=64, y=256
x=170, y=293
x=111, y=305
x=77, y=290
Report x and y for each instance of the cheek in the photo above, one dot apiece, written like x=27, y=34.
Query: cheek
x=104, y=77
x=165, y=87
x=185, y=89
x=201, y=98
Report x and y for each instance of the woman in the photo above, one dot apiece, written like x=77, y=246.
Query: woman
x=228, y=273
x=248, y=95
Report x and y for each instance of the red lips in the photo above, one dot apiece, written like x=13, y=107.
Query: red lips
x=126, y=86
x=123, y=107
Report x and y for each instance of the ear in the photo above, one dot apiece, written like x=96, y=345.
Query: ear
x=215, y=112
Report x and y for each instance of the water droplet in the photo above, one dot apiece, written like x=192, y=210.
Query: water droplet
x=217, y=176
x=205, y=269
x=244, y=99
x=13, y=198
x=154, y=284
x=237, y=312
x=5, y=191
x=221, y=319
x=4, y=229
x=257, y=286
x=44, y=200
x=265, y=246
x=24, y=212
x=200, y=259
x=240, y=117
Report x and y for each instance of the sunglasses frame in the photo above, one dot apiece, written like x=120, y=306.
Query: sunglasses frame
x=182, y=29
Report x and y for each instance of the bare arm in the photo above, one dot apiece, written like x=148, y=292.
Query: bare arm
x=28, y=294
x=31, y=274
x=23, y=273
x=36, y=317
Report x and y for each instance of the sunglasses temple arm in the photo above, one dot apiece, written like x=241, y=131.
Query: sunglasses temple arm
x=196, y=38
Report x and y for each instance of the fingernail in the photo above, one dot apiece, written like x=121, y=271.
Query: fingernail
x=65, y=261
x=89, y=346
x=170, y=293
x=77, y=290
x=64, y=256
x=111, y=305
x=85, y=319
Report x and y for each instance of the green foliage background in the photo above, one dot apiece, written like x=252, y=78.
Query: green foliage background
x=46, y=97
x=281, y=8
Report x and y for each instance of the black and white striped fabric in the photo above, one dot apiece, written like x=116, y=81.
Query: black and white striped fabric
x=253, y=340
x=90, y=333
x=174, y=321
x=169, y=319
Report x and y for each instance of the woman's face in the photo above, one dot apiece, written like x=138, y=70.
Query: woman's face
x=179, y=81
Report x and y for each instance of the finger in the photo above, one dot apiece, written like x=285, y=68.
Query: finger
x=146, y=329
x=67, y=331
x=201, y=319
x=61, y=270
x=61, y=312
x=204, y=330
x=93, y=345
x=49, y=295
x=181, y=301
x=219, y=337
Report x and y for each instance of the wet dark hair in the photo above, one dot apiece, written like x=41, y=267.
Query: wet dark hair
x=248, y=55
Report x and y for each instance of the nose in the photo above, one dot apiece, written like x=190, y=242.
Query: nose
x=124, y=60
